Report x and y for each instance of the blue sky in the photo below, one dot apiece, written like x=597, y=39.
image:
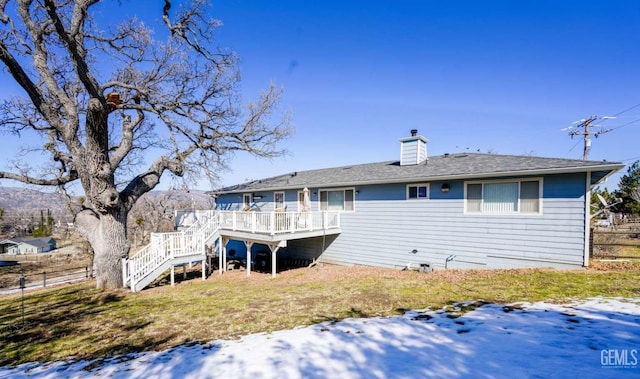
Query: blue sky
x=499, y=76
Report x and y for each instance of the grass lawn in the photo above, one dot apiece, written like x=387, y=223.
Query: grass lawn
x=77, y=321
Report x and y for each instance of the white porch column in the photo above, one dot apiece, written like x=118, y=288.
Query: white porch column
x=222, y=258
x=204, y=267
x=173, y=275
x=274, y=258
x=248, y=244
x=124, y=273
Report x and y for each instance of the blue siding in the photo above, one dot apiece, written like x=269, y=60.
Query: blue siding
x=229, y=202
x=386, y=227
x=233, y=202
x=240, y=249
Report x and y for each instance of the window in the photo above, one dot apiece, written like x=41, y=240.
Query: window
x=530, y=197
x=246, y=201
x=504, y=197
x=278, y=200
x=336, y=200
x=418, y=191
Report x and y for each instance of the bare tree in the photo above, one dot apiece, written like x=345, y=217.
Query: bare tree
x=101, y=98
x=153, y=214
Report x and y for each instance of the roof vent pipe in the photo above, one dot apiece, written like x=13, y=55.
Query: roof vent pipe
x=414, y=132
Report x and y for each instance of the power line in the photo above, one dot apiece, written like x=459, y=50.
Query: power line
x=582, y=129
x=615, y=116
x=583, y=126
x=623, y=125
x=574, y=146
x=627, y=110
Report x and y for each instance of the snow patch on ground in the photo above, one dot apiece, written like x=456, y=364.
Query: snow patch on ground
x=594, y=338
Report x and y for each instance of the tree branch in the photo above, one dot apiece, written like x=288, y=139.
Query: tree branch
x=29, y=86
x=148, y=180
x=60, y=181
x=75, y=45
x=126, y=142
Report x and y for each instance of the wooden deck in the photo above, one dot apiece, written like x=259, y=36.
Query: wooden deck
x=266, y=226
x=272, y=229
x=198, y=229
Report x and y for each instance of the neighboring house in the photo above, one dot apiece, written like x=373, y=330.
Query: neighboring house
x=19, y=246
x=462, y=210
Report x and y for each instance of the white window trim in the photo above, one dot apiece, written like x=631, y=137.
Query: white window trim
x=518, y=213
x=284, y=200
x=418, y=185
x=338, y=189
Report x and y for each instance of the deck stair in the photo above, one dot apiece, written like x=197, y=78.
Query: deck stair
x=166, y=250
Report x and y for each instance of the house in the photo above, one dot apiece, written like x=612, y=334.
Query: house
x=448, y=211
x=463, y=210
x=19, y=246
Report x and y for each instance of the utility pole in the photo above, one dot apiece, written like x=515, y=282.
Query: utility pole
x=582, y=129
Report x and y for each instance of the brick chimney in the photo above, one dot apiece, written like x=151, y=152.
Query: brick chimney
x=413, y=150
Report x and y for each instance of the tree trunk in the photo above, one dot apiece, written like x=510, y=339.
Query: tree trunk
x=110, y=246
x=108, y=238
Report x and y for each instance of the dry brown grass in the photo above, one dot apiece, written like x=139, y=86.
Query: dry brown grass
x=80, y=322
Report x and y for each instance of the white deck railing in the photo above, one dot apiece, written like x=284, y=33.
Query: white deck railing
x=167, y=246
x=203, y=225
x=278, y=222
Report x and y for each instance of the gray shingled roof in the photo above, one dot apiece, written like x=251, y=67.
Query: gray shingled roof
x=37, y=242
x=442, y=167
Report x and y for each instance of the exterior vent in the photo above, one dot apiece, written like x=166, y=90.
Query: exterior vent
x=413, y=150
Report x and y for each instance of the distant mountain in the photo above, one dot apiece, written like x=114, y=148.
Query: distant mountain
x=12, y=198
x=23, y=207
x=16, y=199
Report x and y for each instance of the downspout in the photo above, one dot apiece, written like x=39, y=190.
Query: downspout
x=587, y=219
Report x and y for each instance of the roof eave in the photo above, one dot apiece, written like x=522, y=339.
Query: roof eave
x=561, y=170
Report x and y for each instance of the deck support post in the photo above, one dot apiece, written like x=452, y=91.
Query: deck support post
x=124, y=273
x=173, y=275
x=248, y=244
x=274, y=257
x=222, y=258
x=204, y=267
